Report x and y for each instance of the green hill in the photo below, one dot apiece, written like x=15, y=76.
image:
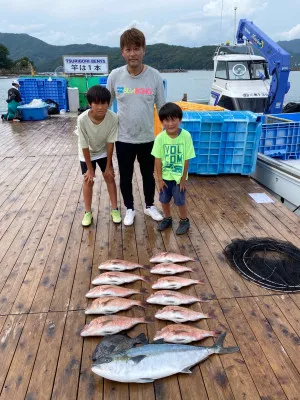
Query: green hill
x=47, y=57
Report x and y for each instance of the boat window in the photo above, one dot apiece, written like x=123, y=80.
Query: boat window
x=238, y=70
x=221, y=71
x=226, y=102
x=259, y=70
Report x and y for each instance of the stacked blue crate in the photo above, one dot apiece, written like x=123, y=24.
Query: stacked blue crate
x=44, y=89
x=225, y=142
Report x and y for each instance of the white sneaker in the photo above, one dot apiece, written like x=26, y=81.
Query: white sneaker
x=129, y=217
x=153, y=213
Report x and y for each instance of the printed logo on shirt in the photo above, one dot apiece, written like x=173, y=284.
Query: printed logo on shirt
x=126, y=90
x=173, y=162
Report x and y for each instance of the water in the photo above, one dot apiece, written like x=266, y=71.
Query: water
x=196, y=84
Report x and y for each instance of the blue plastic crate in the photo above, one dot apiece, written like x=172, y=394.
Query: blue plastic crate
x=224, y=142
x=44, y=89
x=281, y=140
x=33, y=114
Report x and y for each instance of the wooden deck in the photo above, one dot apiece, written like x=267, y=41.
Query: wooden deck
x=48, y=260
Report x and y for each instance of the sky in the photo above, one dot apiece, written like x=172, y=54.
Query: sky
x=191, y=23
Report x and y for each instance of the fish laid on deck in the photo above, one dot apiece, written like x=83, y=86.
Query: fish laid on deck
x=146, y=363
x=109, y=325
x=168, y=297
x=175, y=282
x=113, y=344
x=182, y=334
x=117, y=278
x=119, y=265
x=170, y=257
x=111, y=290
x=112, y=305
x=169, y=269
x=180, y=314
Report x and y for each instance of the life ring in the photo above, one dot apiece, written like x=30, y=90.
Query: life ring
x=239, y=70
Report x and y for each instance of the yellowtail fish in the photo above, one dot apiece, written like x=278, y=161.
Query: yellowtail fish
x=170, y=257
x=114, y=291
x=154, y=361
x=109, y=325
x=182, y=334
x=117, y=278
x=119, y=265
x=180, y=314
x=175, y=282
x=112, y=305
x=169, y=269
x=168, y=297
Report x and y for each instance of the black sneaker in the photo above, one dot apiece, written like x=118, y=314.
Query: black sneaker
x=183, y=226
x=164, y=224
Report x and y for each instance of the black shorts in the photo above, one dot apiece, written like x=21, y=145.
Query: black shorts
x=101, y=162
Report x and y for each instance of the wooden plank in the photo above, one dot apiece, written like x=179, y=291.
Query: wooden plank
x=237, y=373
x=27, y=290
x=2, y=321
x=28, y=252
x=289, y=310
x=43, y=374
x=264, y=378
x=281, y=364
x=288, y=337
x=9, y=338
x=44, y=293
x=18, y=376
x=67, y=374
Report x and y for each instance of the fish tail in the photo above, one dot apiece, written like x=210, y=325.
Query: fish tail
x=200, y=282
x=220, y=349
x=145, y=279
x=211, y=314
x=148, y=320
x=146, y=267
x=143, y=304
x=141, y=339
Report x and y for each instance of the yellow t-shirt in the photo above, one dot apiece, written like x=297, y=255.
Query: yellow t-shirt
x=173, y=153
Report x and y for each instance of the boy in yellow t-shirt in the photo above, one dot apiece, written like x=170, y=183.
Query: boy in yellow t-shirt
x=173, y=148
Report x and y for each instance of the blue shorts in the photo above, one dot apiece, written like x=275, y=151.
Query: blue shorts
x=173, y=190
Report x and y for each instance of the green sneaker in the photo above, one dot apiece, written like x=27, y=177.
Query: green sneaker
x=87, y=219
x=116, y=216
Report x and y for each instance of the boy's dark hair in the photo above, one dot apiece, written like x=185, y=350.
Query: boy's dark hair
x=132, y=36
x=170, y=111
x=98, y=94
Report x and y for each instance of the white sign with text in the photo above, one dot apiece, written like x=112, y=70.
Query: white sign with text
x=85, y=64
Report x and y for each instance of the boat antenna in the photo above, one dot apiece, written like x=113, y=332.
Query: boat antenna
x=234, y=32
x=221, y=22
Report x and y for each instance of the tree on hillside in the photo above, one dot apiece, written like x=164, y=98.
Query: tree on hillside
x=5, y=62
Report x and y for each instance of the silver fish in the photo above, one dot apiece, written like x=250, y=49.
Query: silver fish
x=170, y=257
x=119, y=265
x=117, y=278
x=115, y=344
x=144, y=364
x=169, y=297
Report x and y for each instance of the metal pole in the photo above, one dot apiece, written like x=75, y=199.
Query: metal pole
x=234, y=33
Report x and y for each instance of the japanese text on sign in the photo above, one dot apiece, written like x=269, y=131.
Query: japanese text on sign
x=85, y=64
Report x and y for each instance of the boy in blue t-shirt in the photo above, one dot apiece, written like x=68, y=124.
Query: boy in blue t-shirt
x=173, y=148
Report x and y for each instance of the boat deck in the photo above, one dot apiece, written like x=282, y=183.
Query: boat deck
x=48, y=260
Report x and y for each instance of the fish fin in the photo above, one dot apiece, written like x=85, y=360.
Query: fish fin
x=144, y=380
x=186, y=371
x=141, y=339
x=137, y=359
x=220, y=349
x=158, y=341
